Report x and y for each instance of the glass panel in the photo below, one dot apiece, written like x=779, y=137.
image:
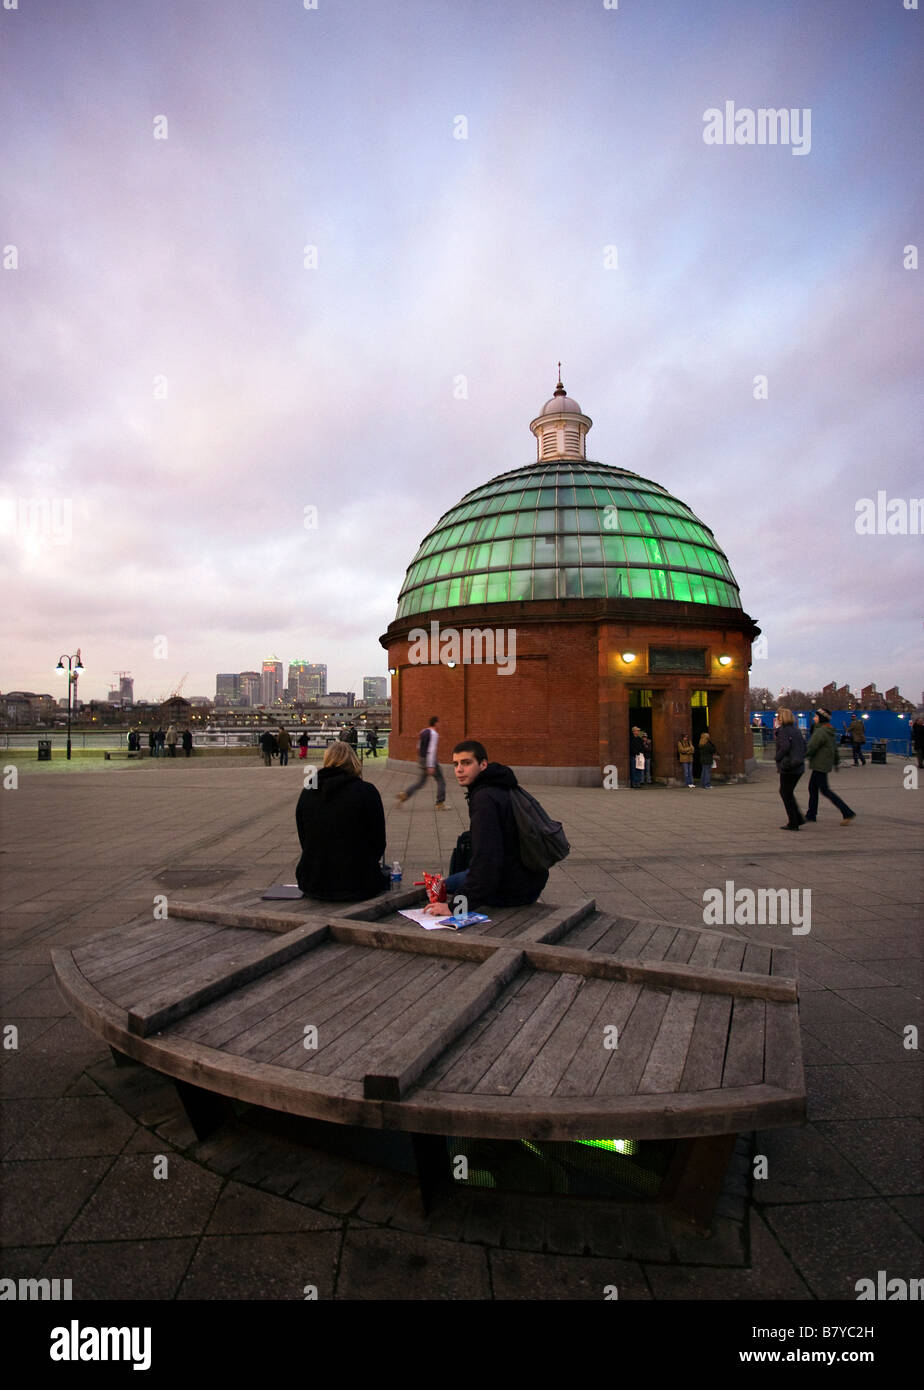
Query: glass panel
x=680, y=584
x=697, y=589
x=459, y=558
x=568, y=550
x=566, y=496
x=594, y=583
x=454, y=588
x=523, y=552
x=653, y=552
x=443, y=563
x=479, y=588
x=521, y=583
x=480, y=557
x=545, y=551
x=614, y=549
x=584, y=496
x=602, y=497
x=617, y=583
x=529, y=497
x=572, y=582
x=426, y=594
x=440, y=591
x=512, y=500
x=640, y=581
x=628, y=521
x=711, y=592
x=543, y=584
x=673, y=552
x=591, y=550
x=525, y=523
x=486, y=528
x=545, y=522
x=589, y=519
x=500, y=553
x=547, y=497
x=498, y=587
x=567, y=520
x=468, y=530
x=505, y=524
x=635, y=550
x=659, y=584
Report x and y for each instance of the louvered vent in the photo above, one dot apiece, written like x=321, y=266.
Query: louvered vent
x=548, y=444
x=572, y=440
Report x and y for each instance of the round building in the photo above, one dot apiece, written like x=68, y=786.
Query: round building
x=559, y=605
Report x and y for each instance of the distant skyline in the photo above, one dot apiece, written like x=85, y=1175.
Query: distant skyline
x=281, y=285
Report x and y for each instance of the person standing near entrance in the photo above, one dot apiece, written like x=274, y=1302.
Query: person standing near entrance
x=427, y=744
x=187, y=742
x=685, y=758
x=646, y=749
x=636, y=758
x=706, y=755
x=790, y=764
x=822, y=757
x=857, y=731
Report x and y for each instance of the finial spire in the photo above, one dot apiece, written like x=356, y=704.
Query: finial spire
x=559, y=389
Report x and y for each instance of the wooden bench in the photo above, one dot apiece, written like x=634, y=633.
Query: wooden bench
x=544, y=1023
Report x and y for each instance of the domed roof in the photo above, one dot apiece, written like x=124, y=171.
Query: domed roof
x=567, y=528
x=561, y=404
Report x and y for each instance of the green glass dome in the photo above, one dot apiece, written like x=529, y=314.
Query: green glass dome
x=564, y=529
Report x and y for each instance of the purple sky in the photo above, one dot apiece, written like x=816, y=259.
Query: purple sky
x=178, y=387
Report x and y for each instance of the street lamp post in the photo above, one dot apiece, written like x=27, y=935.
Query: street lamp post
x=73, y=668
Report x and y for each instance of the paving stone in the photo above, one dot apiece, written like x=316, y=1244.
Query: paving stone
x=409, y=1214
x=242, y=1209
x=261, y=1267
x=41, y=1198
x=73, y=1127
x=566, y=1233
x=834, y=1244
x=23, y=1261
x=842, y=1091
x=131, y=1203
x=349, y=1190
x=890, y=1005
x=725, y=1244
x=562, y=1277
x=388, y=1264
x=486, y=1218
x=525, y=1224
x=912, y=1209
x=319, y=1177
x=608, y=1231
x=802, y=1165
x=17, y=980
x=648, y=1234
x=114, y=1270
x=769, y=1274
x=384, y=1196
x=39, y=1074
x=886, y=1152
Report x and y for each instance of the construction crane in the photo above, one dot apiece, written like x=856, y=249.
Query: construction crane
x=172, y=694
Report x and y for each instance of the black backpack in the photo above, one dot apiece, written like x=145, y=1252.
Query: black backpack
x=542, y=840
x=423, y=743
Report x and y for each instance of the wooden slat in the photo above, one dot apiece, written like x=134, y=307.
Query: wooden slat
x=757, y=959
x=555, y=1056
x=682, y=946
x=633, y=945
x=731, y=954
x=122, y=940
x=744, y=1058
x=658, y=945
x=627, y=1062
x=784, y=963
x=512, y=1009
x=585, y=936
x=591, y=1057
x=557, y=923
x=518, y=1055
x=131, y=976
x=397, y=1067
x=215, y=976
x=664, y=974
x=705, y=1060
x=189, y=937
x=783, y=1048
x=707, y=949
x=668, y=1054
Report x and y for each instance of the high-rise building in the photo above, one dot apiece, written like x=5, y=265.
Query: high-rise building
x=126, y=690
x=251, y=687
x=227, y=688
x=375, y=689
x=272, y=681
x=305, y=681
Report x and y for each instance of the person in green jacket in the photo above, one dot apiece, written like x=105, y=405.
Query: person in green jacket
x=822, y=755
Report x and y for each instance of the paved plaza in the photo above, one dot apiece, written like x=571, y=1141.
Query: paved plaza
x=256, y=1212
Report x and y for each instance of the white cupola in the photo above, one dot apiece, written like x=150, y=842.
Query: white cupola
x=560, y=427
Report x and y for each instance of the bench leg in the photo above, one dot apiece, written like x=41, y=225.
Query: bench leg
x=694, y=1179
x=430, y=1156
x=205, y=1110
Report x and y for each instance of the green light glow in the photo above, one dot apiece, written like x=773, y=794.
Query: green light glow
x=613, y=1146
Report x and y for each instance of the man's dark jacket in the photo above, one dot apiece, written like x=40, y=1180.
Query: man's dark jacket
x=497, y=876
x=341, y=828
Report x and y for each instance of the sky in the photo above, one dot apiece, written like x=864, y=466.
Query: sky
x=280, y=284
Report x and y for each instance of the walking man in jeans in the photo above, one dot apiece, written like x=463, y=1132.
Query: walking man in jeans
x=427, y=743
x=822, y=757
x=857, y=731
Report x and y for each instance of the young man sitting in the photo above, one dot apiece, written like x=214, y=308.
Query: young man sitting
x=496, y=876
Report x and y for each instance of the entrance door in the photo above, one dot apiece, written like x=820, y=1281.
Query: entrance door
x=699, y=723
x=640, y=714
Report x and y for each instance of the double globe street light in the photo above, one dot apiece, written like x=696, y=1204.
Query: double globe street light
x=74, y=667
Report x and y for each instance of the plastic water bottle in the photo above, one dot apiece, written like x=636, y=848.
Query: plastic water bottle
x=396, y=875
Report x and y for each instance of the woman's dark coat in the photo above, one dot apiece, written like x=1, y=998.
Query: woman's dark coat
x=341, y=829
x=790, y=749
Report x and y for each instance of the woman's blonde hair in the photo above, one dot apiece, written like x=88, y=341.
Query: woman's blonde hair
x=342, y=755
x=704, y=738
x=786, y=716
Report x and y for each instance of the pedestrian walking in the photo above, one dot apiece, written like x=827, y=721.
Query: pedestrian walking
x=790, y=764
x=685, y=758
x=857, y=731
x=917, y=740
x=303, y=745
x=187, y=742
x=428, y=763
x=822, y=757
x=707, y=751
x=152, y=743
x=161, y=738
x=283, y=743
x=269, y=747
x=372, y=741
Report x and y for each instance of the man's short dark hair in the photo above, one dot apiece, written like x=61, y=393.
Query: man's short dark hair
x=471, y=745
x=435, y=719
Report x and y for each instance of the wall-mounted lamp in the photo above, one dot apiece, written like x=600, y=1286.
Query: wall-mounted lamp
x=392, y=670
x=628, y=657
x=725, y=660
x=450, y=664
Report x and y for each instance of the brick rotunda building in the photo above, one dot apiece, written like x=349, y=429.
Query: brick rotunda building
x=617, y=601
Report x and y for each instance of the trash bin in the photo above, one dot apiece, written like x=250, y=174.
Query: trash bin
x=44, y=750
x=878, y=754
